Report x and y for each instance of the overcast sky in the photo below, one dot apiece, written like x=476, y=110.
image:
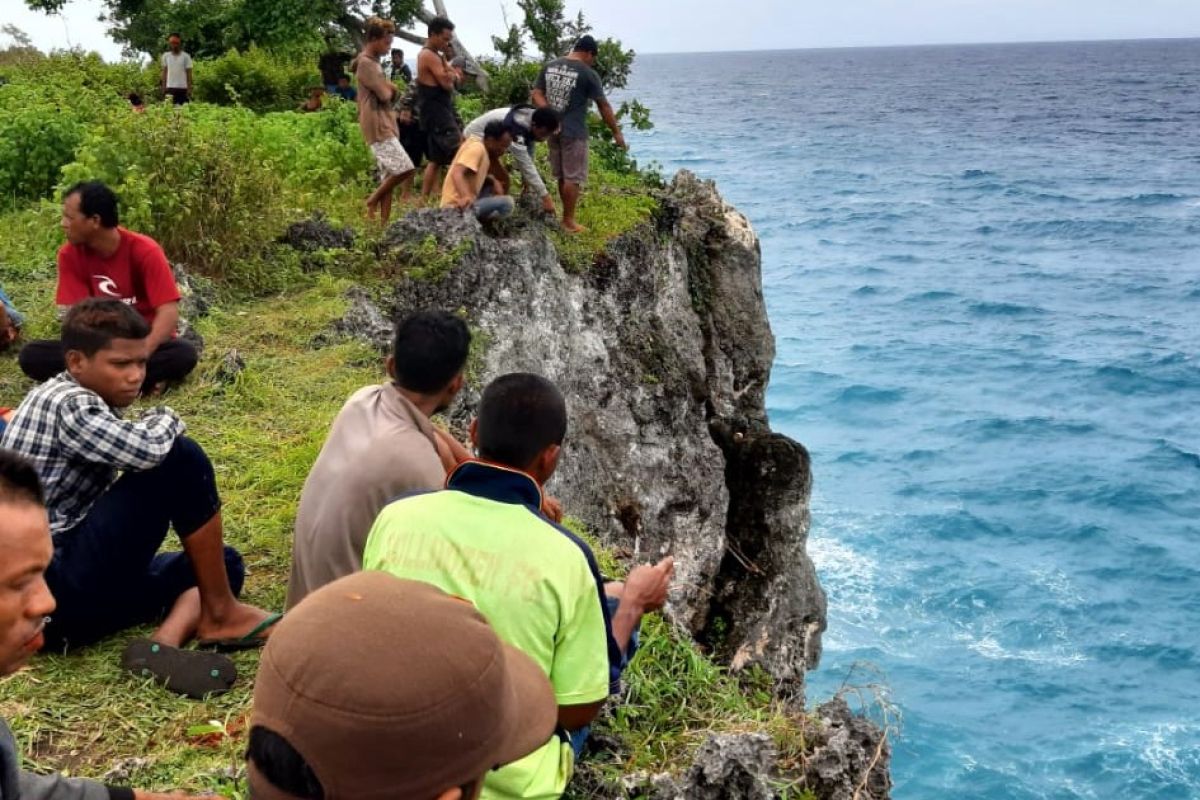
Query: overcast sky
x=658, y=26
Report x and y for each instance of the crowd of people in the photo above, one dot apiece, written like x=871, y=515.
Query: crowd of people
x=445, y=636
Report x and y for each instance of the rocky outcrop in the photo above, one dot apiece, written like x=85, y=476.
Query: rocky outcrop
x=664, y=352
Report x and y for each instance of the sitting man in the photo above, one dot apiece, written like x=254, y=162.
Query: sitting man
x=102, y=259
x=468, y=184
x=375, y=687
x=381, y=445
x=527, y=126
x=484, y=539
x=107, y=573
x=25, y=603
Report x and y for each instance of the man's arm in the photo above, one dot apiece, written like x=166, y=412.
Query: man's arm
x=530, y=175
x=189, y=80
x=166, y=318
x=539, y=98
x=462, y=187
x=91, y=432
x=645, y=591
x=373, y=81
x=435, y=67
x=610, y=119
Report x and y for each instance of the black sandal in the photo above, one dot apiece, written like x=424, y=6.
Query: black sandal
x=188, y=672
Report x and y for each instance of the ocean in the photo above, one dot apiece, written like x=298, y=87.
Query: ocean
x=982, y=267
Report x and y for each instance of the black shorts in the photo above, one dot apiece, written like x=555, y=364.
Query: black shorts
x=412, y=139
x=178, y=96
x=441, y=144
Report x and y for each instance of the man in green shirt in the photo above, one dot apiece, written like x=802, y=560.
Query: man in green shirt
x=484, y=538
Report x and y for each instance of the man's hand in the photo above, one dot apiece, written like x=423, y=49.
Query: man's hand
x=548, y=204
x=8, y=331
x=404, y=117
x=619, y=138
x=464, y=203
x=552, y=508
x=647, y=586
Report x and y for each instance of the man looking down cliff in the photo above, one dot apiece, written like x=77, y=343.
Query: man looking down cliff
x=527, y=126
x=381, y=445
x=485, y=539
x=468, y=183
x=569, y=85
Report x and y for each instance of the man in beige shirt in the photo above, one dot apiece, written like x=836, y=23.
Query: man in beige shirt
x=377, y=118
x=468, y=184
x=382, y=445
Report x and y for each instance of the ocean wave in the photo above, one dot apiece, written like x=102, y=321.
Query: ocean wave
x=936, y=296
x=990, y=428
x=987, y=309
x=1150, y=199
x=870, y=395
x=990, y=648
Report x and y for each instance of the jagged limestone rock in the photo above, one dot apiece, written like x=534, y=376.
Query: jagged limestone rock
x=663, y=350
x=851, y=756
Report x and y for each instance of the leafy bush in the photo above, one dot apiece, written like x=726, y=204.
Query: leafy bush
x=196, y=193
x=509, y=83
x=37, y=137
x=255, y=79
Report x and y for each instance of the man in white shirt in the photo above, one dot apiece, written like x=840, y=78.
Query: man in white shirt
x=176, y=78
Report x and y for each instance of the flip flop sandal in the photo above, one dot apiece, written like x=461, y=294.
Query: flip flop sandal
x=185, y=671
x=249, y=641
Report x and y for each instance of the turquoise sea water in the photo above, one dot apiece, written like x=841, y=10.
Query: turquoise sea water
x=982, y=266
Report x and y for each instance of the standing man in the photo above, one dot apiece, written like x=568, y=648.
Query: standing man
x=527, y=126
x=468, y=184
x=176, y=78
x=436, y=80
x=377, y=119
x=399, y=70
x=569, y=85
x=102, y=259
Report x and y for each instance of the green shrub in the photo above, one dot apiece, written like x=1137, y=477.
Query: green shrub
x=37, y=137
x=198, y=194
x=255, y=79
x=509, y=84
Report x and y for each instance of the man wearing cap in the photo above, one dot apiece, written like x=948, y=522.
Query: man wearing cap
x=484, y=538
x=527, y=126
x=569, y=85
x=25, y=603
x=376, y=688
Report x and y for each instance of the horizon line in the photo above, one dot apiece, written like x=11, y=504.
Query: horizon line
x=898, y=46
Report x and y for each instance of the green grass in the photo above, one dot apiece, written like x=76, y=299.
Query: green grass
x=82, y=714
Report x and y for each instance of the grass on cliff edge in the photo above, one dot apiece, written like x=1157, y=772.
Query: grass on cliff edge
x=83, y=715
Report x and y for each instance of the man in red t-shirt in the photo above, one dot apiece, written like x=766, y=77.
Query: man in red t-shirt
x=101, y=259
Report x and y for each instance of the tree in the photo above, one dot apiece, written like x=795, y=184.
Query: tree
x=212, y=27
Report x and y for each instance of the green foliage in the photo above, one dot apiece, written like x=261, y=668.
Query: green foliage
x=36, y=139
x=509, y=46
x=510, y=82
x=255, y=79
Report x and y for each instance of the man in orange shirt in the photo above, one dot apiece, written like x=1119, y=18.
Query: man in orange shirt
x=102, y=259
x=468, y=184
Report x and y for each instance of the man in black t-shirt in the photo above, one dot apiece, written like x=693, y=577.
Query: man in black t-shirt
x=569, y=85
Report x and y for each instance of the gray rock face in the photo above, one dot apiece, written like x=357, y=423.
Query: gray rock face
x=664, y=351
x=851, y=756
x=727, y=767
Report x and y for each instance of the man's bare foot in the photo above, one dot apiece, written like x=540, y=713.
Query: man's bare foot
x=239, y=622
x=573, y=227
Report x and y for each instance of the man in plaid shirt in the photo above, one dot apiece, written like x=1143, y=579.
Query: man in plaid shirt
x=106, y=571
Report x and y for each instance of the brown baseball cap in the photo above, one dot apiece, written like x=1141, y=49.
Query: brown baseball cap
x=391, y=688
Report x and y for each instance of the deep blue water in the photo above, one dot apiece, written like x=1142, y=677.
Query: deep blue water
x=982, y=266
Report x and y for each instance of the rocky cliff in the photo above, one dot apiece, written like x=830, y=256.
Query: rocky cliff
x=664, y=351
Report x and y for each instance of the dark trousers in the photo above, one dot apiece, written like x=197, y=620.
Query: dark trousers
x=172, y=361
x=178, y=96
x=107, y=574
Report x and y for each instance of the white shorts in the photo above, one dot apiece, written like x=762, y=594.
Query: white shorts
x=391, y=158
